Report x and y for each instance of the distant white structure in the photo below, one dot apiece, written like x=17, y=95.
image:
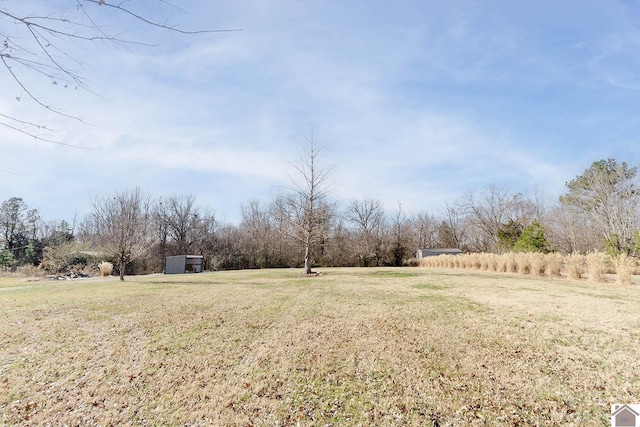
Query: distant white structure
x=181, y=264
x=423, y=253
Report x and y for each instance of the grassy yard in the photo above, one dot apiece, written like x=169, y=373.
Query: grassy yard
x=387, y=347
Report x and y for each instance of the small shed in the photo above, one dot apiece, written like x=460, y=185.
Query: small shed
x=181, y=264
x=423, y=253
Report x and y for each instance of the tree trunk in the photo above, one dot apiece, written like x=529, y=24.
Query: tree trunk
x=122, y=269
x=307, y=262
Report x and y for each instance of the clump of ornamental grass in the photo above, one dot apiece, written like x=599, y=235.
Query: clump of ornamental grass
x=438, y=261
x=575, y=265
x=465, y=261
x=510, y=262
x=624, y=268
x=450, y=261
x=596, y=266
x=476, y=261
x=493, y=262
x=501, y=263
x=538, y=263
x=444, y=261
x=106, y=268
x=456, y=261
x=554, y=262
x=523, y=263
x=485, y=261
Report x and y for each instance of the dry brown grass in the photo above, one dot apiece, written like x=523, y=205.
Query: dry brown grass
x=554, y=264
x=574, y=264
x=624, y=268
x=106, y=268
x=596, y=266
x=538, y=264
x=387, y=347
x=523, y=263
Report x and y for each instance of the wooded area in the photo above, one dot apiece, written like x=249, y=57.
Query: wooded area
x=136, y=231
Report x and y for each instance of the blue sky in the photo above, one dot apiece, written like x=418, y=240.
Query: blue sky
x=417, y=103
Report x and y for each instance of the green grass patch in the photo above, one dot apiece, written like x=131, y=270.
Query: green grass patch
x=430, y=286
x=392, y=274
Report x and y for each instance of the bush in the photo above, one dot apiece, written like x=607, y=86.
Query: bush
x=7, y=260
x=67, y=258
x=106, y=268
x=532, y=239
x=29, y=271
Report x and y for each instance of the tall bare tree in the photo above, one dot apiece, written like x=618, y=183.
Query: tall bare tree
x=305, y=205
x=121, y=224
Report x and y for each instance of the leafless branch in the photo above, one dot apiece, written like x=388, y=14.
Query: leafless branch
x=34, y=44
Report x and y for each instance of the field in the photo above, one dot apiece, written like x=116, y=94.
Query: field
x=386, y=347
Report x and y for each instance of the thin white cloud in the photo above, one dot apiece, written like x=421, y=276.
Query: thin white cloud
x=417, y=101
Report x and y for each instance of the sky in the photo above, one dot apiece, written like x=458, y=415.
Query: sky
x=414, y=102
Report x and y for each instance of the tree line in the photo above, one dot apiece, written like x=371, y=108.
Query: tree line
x=304, y=227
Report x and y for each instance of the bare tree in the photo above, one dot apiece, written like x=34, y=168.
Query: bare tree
x=486, y=214
x=490, y=210
x=205, y=235
x=400, y=236
x=367, y=219
x=568, y=231
x=182, y=217
x=453, y=230
x=37, y=46
x=257, y=227
x=160, y=223
x=426, y=226
x=608, y=194
x=120, y=223
x=305, y=206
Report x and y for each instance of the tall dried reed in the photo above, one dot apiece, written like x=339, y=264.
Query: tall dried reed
x=554, y=262
x=538, y=263
x=624, y=268
x=493, y=262
x=510, y=263
x=523, y=263
x=501, y=263
x=596, y=266
x=106, y=268
x=575, y=265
